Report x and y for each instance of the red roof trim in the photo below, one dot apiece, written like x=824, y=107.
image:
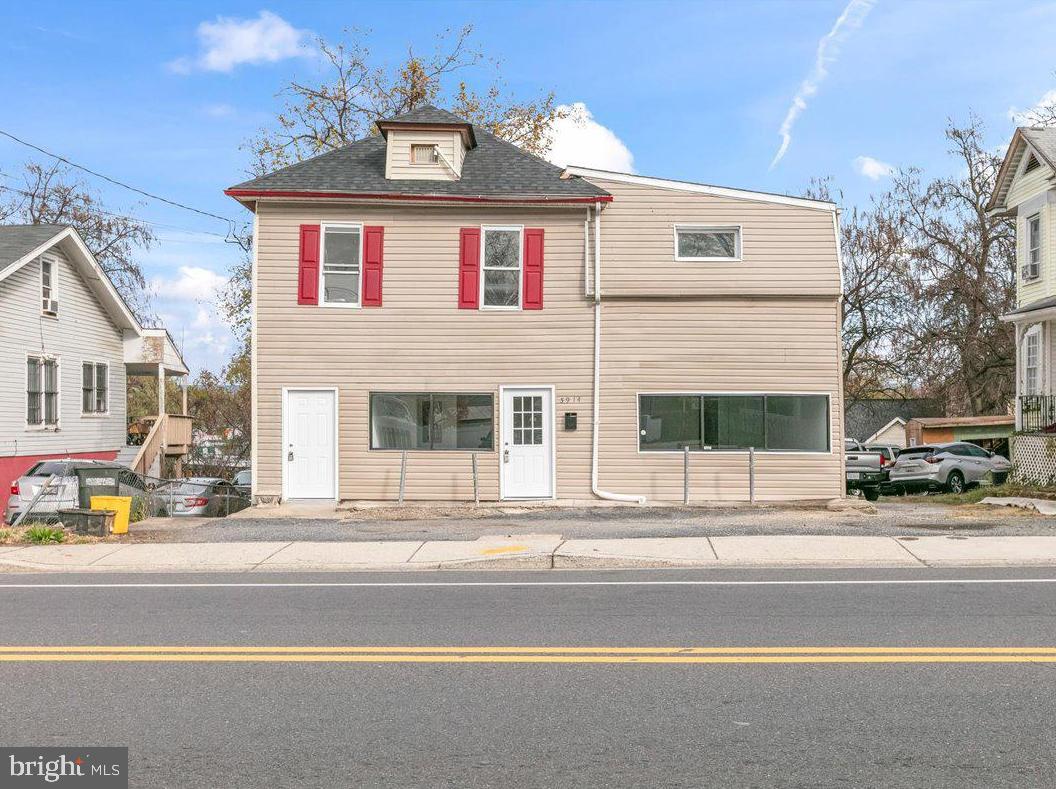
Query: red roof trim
x=238, y=193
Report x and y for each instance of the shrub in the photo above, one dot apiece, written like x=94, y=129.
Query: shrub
x=6, y=535
x=43, y=535
x=138, y=512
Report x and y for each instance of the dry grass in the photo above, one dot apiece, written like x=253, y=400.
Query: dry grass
x=12, y=535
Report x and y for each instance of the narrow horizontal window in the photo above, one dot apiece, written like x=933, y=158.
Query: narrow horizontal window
x=342, y=252
x=432, y=421
x=707, y=243
x=423, y=154
x=733, y=422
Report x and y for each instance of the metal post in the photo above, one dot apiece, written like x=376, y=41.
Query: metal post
x=476, y=490
x=403, y=473
x=751, y=474
x=685, y=474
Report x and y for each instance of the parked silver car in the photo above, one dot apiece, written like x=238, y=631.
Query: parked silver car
x=52, y=485
x=209, y=497
x=951, y=467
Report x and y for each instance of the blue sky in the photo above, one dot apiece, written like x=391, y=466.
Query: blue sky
x=161, y=95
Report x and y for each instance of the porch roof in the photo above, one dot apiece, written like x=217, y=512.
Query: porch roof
x=1034, y=310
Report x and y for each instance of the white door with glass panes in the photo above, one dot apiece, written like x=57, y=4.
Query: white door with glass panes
x=308, y=455
x=527, y=443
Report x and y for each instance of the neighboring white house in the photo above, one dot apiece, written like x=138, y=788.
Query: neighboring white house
x=1026, y=191
x=67, y=343
x=893, y=434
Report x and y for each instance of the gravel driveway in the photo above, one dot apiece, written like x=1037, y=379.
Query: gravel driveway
x=468, y=523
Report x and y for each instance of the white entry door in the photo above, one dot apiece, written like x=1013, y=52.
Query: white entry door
x=527, y=443
x=309, y=451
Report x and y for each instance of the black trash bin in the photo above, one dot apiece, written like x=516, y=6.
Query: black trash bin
x=96, y=482
x=85, y=521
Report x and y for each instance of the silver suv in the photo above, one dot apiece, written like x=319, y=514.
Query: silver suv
x=950, y=467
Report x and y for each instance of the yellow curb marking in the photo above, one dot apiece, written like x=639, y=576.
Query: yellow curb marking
x=504, y=549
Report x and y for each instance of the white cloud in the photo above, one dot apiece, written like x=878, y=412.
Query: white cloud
x=1044, y=109
x=828, y=50
x=230, y=42
x=219, y=110
x=194, y=283
x=873, y=169
x=578, y=139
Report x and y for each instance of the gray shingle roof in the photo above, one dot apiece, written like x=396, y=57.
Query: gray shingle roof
x=1039, y=304
x=1044, y=141
x=493, y=168
x=864, y=417
x=17, y=241
x=427, y=113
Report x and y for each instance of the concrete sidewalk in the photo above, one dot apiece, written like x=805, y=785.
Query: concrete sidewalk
x=538, y=551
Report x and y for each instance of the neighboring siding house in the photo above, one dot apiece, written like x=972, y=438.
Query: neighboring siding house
x=882, y=420
x=67, y=342
x=1026, y=191
x=434, y=293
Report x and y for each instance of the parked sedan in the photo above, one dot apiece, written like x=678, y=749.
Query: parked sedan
x=51, y=485
x=951, y=467
x=209, y=497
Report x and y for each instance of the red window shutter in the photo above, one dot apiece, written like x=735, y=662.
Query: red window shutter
x=308, y=271
x=373, y=255
x=469, y=269
x=533, y=269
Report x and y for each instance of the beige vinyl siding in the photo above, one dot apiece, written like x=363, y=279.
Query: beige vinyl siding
x=1026, y=185
x=419, y=341
x=81, y=332
x=717, y=346
x=785, y=250
x=398, y=155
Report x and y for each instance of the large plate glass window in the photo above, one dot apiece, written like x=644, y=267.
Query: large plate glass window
x=714, y=421
x=501, y=268
x=432, y=421
x=342, y=251
x=94, y=388
x=707, y=243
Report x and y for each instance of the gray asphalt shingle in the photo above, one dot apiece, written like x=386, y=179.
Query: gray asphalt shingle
x=1043, y=140
x=493, y=168
x=17, y=241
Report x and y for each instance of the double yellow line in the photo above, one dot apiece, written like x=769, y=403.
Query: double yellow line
x=450, y=654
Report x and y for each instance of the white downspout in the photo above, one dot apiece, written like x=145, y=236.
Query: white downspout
x=596, y=409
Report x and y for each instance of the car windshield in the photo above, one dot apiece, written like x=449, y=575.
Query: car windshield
x=916, y=451
x=53, y=468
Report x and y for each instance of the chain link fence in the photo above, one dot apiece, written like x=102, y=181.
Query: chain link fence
x=51, y=487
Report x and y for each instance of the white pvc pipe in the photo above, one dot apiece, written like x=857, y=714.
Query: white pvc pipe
x=596, y=415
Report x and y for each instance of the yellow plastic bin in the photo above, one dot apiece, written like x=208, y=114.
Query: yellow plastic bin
x=122, y=507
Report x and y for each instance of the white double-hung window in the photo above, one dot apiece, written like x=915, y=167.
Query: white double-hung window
x=42, y=391
x=342, y=250
x=705, y=243
x=1032, y=265
x=500, y=269
x=1032, y=361
x=95, y=388
x=49, y=296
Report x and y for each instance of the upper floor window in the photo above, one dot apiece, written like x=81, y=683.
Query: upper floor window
x=94, y=388
x=707, y=243
x=342, y=258
x=501, y=267
x=48, y=292
x=42, y=391
x=423, y=154
x=1032, y=268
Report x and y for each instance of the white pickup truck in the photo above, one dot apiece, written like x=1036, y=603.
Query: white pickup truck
x=866, y=470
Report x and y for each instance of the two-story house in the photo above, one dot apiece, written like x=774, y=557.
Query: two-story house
x=434, y=293
x=1025, y=189
x=67, y=343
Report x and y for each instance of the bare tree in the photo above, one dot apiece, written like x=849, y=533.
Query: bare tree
x=962, y=279
x=51, y=195
x=357, y=93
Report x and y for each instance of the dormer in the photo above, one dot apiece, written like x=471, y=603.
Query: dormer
x=426, y=144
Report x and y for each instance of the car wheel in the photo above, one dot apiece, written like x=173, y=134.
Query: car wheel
x=871, y=494
x=955, y=482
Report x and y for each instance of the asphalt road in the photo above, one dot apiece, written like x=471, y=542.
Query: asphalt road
x=573, y=700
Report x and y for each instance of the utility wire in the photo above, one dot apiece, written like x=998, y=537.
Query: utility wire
x=229, y=222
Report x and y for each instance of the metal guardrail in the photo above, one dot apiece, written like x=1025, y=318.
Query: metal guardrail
x=1037, y=413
